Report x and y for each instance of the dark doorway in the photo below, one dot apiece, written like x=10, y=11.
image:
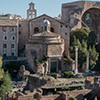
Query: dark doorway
x=52, y=29
x=36, y=30
x=53, y=67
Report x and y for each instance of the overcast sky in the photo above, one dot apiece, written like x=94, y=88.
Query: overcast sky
x=19, y=7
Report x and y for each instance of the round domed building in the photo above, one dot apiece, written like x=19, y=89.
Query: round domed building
x=45, y=50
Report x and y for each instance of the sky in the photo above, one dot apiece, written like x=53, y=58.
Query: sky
x=19, y=7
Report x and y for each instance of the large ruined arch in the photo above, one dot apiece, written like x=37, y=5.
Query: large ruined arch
x=91, y=18
x=76, y=14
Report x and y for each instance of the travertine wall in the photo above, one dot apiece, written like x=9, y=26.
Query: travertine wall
x=59, y=28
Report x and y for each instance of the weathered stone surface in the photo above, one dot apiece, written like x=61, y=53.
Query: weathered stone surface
x=68, y=66
x=37, y=96
x=92, y=83
x=35, y=81
x=23, y=74
x=82, y=14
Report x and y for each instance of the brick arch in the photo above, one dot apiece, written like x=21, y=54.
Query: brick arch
x=91, y=18
x=73, y=12
x=92, y=7
x=92, y=11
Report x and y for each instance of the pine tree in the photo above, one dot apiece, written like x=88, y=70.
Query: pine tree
x=6, y=85
x=93, y=55
x=1, y=70
x=83, y=53
x=91, y=39
x=5, y=81
x=76, y=42
x=84, y=38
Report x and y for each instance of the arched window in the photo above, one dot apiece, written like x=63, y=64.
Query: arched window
x=5, y=37
x=13, y=38
x=45, y=28
x=36, y=30
x=52, y=29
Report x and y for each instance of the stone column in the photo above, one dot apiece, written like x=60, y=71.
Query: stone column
x=96, y=98
x=76, y=59
x=87, y=63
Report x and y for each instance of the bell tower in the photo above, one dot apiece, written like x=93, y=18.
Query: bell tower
x=31, y=12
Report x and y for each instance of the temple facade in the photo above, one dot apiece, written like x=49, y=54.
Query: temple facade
x=46, y=48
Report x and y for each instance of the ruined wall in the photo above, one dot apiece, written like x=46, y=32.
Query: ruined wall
x=52, y=97
x=72, y=14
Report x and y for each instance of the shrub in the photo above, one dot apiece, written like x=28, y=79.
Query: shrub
x=53, y=75
x=68, y=74
x=13, y=67
x=68, y=60
x=36, y=61
x=44, y=59
x=71, y=98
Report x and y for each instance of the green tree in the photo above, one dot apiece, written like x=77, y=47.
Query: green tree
x=13, y=67
x=5, y=81
x=5, y=84
x=76, y=42
x=83, y=53
x=84, y=38
x=93, y=55
x=1, y=70
x=91, y=39
x=85, y=34
x=71, y=98
x=79, y=33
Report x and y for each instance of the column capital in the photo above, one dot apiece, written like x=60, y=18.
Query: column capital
x=76, y=48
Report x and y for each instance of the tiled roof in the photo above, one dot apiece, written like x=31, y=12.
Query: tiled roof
x=59, y=20
x=47, y=34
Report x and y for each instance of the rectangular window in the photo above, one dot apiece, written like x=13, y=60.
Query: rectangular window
x=19, y=33
x=4, y=55
x=4, y=45
x=12, y=54
x=12, y=46
x=61, y=25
